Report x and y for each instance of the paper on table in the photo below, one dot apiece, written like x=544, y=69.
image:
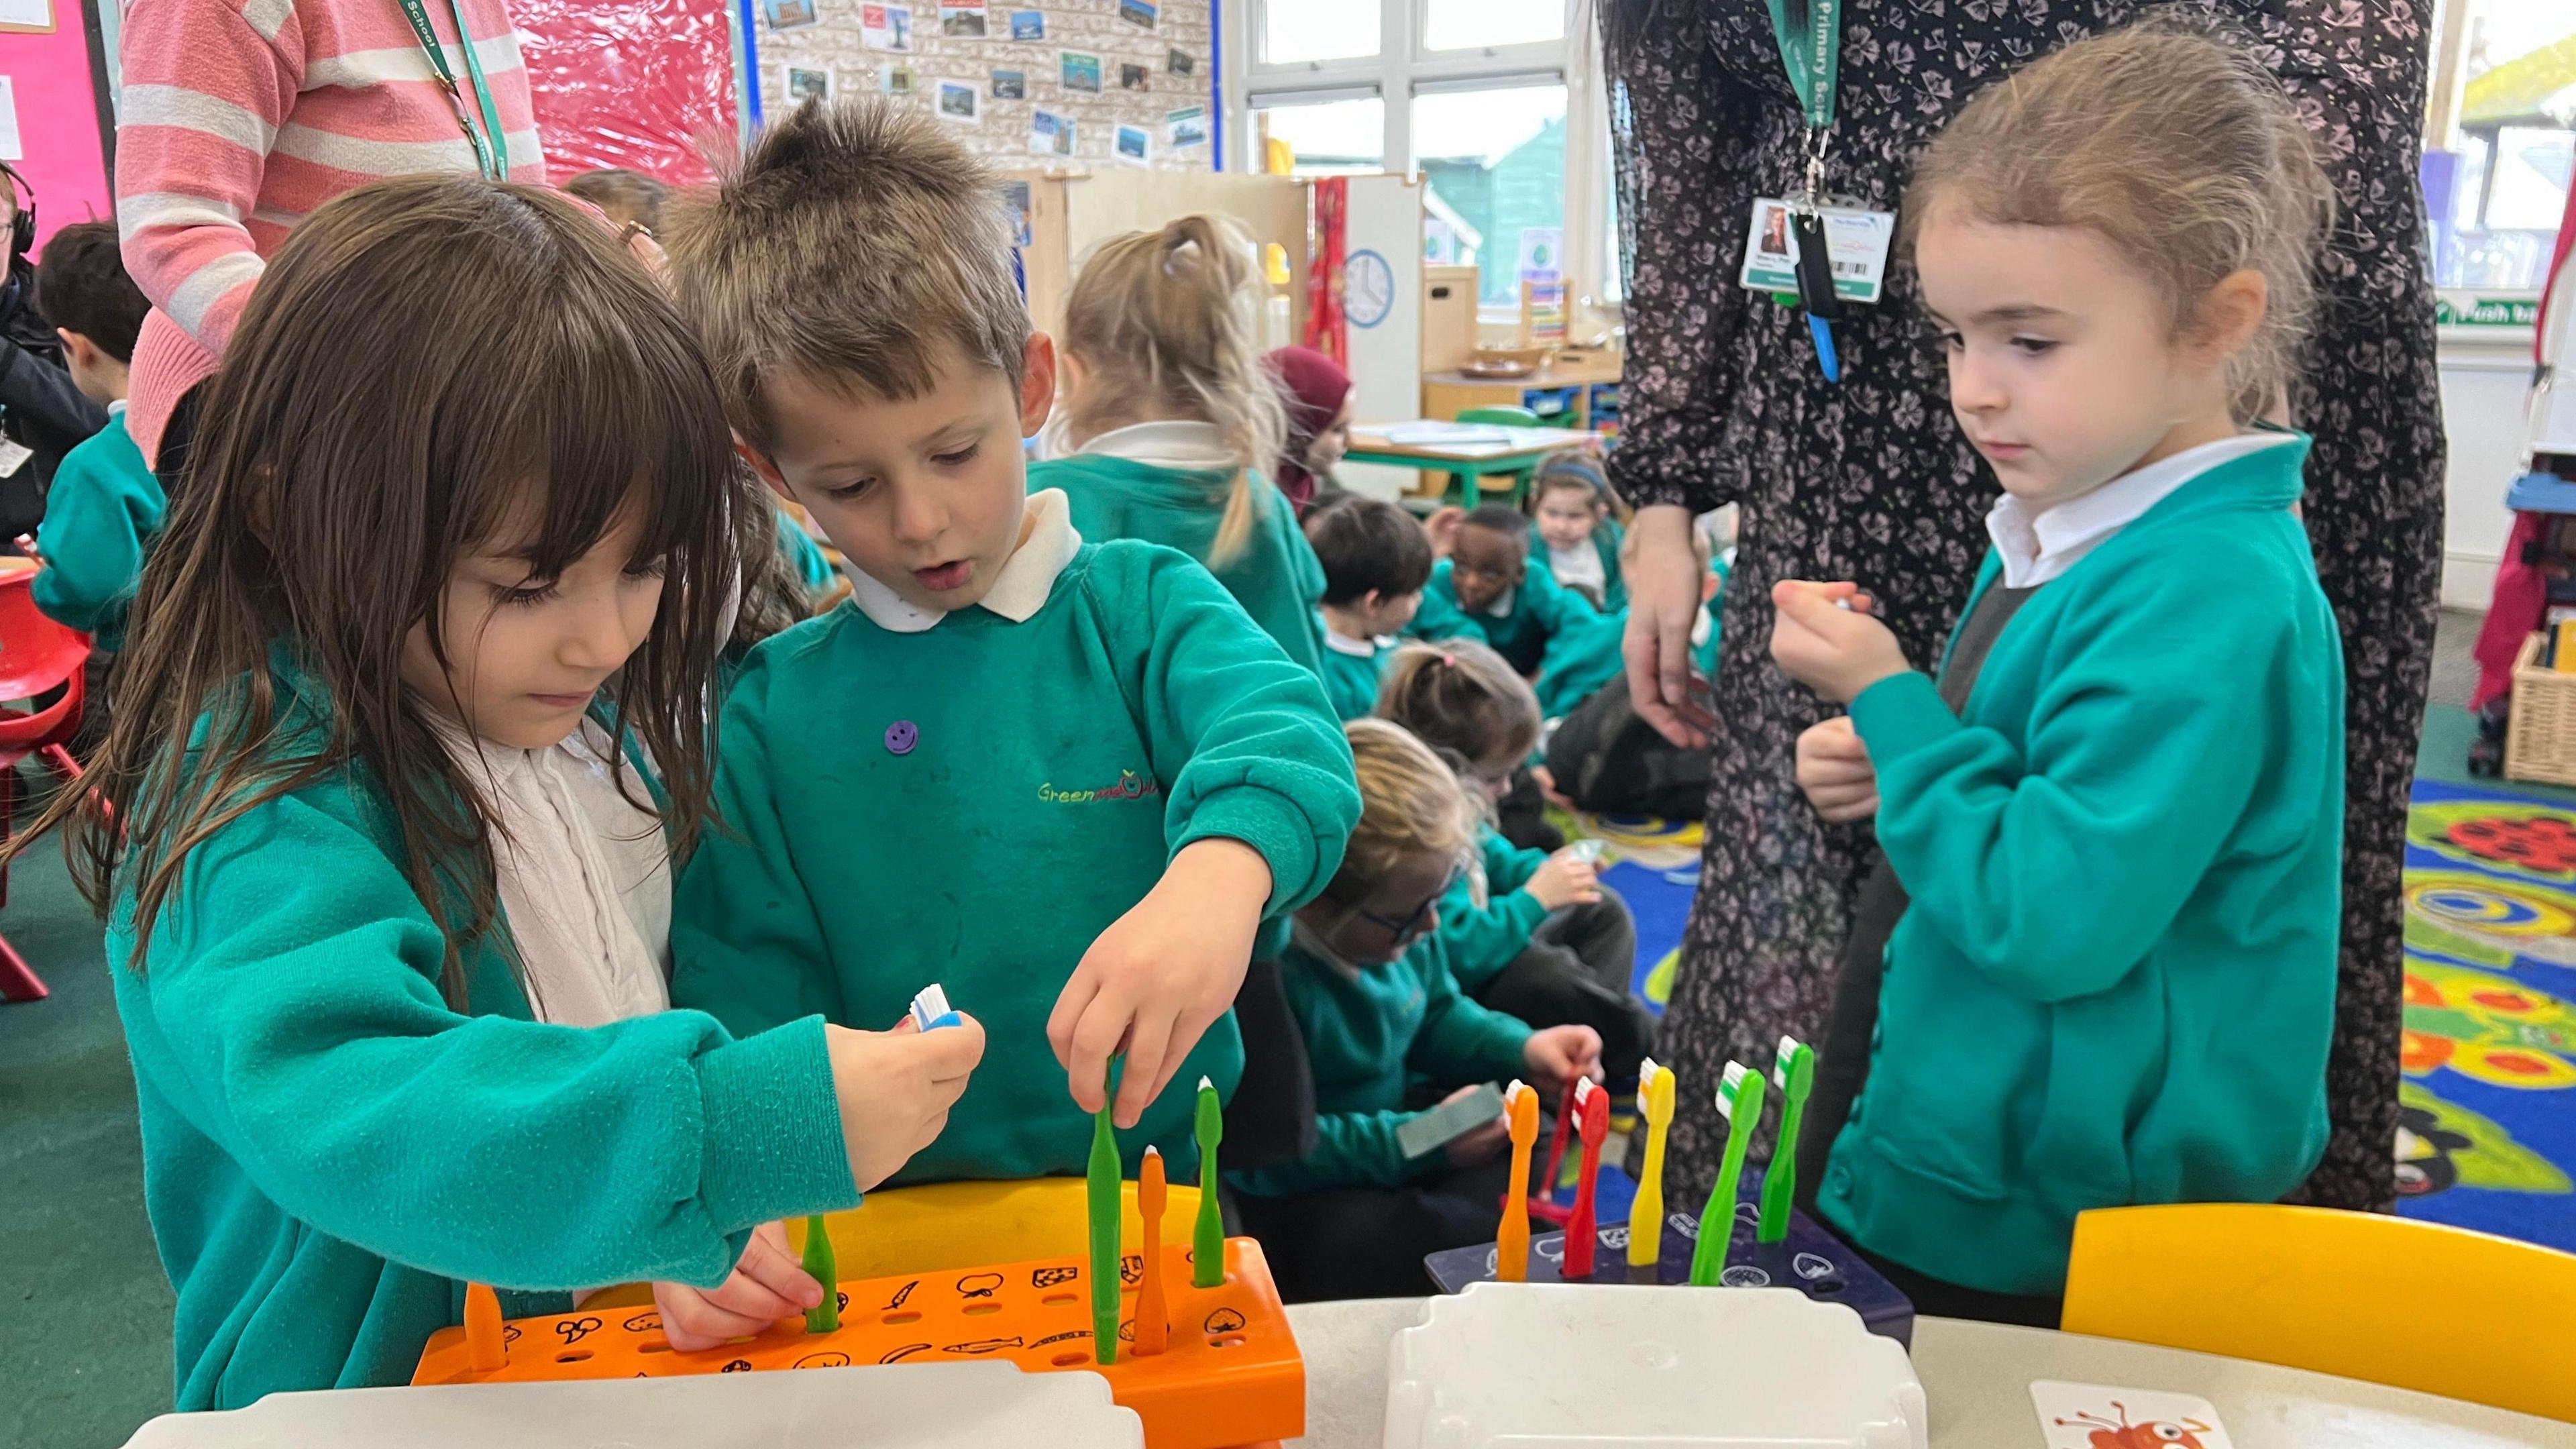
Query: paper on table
x=2073, y=1415
x=1430, y=433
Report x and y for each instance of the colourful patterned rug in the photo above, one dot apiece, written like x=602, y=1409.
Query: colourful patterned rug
x=2489, y=1135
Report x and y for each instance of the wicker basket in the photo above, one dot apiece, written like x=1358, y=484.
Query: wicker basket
x=2540, y=736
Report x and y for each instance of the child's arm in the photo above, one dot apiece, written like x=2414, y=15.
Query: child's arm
x=746, y=945
x=205, y=94
x=1480, y=943
x=1581, y=657
x=2056, y=866
x=103, y=506
x=1261, y=800
x=1352, y=1149
x=1439, y=617
x=304, y=1032
x=1460, y=1039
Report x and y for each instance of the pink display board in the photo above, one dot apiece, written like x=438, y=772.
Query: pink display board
x=57, y=117
x=642, y=84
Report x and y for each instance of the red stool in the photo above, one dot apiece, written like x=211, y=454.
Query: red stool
x=37, y=655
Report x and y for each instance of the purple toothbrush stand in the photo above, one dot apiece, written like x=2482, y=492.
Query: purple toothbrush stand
x=1812, y=1261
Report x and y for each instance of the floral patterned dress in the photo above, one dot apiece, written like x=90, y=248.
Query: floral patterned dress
x=1871, y=480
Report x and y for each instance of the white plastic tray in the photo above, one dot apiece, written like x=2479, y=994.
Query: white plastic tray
x=1532, y=1365
x=905, y=1406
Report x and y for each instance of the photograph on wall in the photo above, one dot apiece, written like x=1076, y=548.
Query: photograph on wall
x=1137, y=12
x=1050, y=134
x=1135, y=148
x=1081, y=72
x=1010, y=85
x=961, y=20
x=898, y=80
x=805, y=85
x=1028, y=25
x=1015, y=195
x=1185, y=127
x=1181, y=63
x=886, y=27
x=957, y=102
x=787, y=14
x=1131, y=77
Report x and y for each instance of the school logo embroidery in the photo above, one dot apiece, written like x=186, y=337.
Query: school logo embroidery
x=1130, y=786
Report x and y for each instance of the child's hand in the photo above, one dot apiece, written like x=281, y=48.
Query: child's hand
x=1557, y=1055
x=895, y=1089
x=1481, y=1144
x=1564, y=881
x=1161, y=975
x=1442, y=525
x=768, y=1284
x=1834, y=770
x=1837, y=652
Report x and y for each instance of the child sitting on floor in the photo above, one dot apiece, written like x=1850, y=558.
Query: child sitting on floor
x=1069, y=781
x=1578, y=532
x=104, y=507
x=1376, y=558
x=1527, y=932
x=1170, y=417
x=1369, y=983
x=1548, y=632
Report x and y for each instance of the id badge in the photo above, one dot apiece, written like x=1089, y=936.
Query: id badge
x=1856, y=242
x=13, y=457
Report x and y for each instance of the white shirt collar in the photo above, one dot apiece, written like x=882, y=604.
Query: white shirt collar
x=1020, y=590
x=116, y=408
x=2038, y=547
x=1580, y=564
x=1503, y=604
x=1196, y=447
x=1356, y=648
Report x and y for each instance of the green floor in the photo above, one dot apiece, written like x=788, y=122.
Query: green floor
x=89, y=1310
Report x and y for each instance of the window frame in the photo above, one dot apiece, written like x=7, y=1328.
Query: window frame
x=2446, y=88
x=1403, y=68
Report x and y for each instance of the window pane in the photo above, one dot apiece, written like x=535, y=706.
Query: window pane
x=1302, y=30
x=1335, y=138
x=1494, y=162
x=1470, y=24
x=2496, y=183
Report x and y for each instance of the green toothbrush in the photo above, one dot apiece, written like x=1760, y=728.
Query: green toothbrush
x=1207, y=1243
x=1793, y=1072
x=1103, y=1190
x=1739, y=1097
x=823, y=1317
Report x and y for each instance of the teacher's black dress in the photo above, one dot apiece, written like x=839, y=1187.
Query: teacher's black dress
x=1872, y=481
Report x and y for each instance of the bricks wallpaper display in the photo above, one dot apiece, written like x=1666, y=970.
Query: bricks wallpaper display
x=965, y=65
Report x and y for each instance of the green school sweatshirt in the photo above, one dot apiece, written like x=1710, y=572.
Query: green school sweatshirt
x=330, y=1152
x=975, y=803
x=803, y=557
x=103, y=512
x=1276, y=578
x=1351, y=670
x=1550, y=631
x=1368, y=1029
x=2115, y=981
x=1485, y=923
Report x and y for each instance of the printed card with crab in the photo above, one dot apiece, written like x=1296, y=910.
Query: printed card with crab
x=2092, y=1416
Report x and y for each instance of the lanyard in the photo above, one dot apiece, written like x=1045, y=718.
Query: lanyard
x=492, y=160
x=1813, y=54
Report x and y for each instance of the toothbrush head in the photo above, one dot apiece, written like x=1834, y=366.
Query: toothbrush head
x=1793, y=1071
x=1730, y=1090
x=1655, y=1087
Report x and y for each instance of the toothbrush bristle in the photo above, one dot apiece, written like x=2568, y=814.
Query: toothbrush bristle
x=1728, y=1088
x=1582, y=1090
x=1206, y=1085
x=1646, y=1069
x=1152, y=1151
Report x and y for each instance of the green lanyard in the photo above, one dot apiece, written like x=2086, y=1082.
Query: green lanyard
x=492, y=159
x=1813, y=55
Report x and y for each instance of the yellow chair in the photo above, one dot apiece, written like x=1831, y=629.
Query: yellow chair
x=948, y=1226
x=2412, y=1305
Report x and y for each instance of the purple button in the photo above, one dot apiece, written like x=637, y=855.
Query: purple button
x=901, y=736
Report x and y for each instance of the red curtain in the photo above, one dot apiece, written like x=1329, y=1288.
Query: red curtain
x=641, y=84
x=1326, y=331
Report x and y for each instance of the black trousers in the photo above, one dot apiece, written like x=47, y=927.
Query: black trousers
x=1942, y=1299
x=1575, y=971
x=1369, y=1242
x=1521, y=815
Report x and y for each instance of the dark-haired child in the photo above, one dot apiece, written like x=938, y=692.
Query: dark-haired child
x=1376, y=559
x=1547, y=632
x=105, y=506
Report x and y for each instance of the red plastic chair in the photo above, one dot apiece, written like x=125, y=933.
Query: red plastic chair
x=37, y=656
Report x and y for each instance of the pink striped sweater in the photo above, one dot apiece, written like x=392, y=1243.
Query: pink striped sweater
x=242, y=116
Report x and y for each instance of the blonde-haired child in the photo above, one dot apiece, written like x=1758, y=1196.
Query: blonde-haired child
x=1170, y=418
x=1531, y=932
x=2109, y=912
x=1368, y=981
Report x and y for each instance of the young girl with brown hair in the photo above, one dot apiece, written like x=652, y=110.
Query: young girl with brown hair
x=1530, y=932
x=2098, y=966
x=385, y=868
x=1171, y=416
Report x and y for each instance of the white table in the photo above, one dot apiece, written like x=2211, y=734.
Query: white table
x=1977, y=1377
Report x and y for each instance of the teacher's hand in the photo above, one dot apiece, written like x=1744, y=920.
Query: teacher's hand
x=1663, y=601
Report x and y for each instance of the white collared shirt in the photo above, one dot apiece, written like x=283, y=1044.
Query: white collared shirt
x=1020, y=590
x=1189, y=447
x=2038, y=547
x=1578, y=566
x=1357, y=648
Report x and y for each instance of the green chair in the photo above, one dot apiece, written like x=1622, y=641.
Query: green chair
x=1501, y=415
